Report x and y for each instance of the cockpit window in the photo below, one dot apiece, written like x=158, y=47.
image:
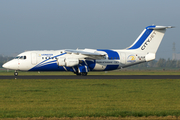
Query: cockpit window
x=20, y=57
x=16, y=57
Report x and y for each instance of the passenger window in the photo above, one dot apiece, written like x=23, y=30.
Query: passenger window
x=42, y=57
x=24, y=57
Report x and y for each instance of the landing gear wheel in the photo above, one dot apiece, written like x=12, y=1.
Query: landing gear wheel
x=78, y=74
x=15, y=73
x=84, y=73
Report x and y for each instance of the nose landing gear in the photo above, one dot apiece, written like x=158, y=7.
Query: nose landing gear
x=15, y=73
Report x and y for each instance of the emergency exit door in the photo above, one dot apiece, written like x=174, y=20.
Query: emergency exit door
x=123, y=58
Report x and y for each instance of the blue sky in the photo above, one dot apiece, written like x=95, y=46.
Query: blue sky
x=70, y=24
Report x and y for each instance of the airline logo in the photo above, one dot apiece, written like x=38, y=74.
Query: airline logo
x=131, y=58
x=148, y=41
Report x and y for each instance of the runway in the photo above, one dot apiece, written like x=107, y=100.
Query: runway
x=93, y=77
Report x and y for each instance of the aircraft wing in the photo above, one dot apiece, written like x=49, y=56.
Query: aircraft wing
x=90, y=55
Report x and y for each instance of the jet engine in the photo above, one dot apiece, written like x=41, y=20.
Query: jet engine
x=68, y=62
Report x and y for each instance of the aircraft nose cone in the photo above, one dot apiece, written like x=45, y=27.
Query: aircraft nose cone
x=5, y=65
x=13, y=65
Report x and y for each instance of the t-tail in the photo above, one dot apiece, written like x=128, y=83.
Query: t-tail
x=148, y=41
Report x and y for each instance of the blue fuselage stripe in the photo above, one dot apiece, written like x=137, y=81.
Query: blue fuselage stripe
x=48, y=66
x=111, y=54
x=111, y=67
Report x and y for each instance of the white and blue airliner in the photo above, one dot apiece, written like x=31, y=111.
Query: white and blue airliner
x=82, y=61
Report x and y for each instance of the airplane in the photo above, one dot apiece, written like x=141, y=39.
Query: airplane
x=82, y=61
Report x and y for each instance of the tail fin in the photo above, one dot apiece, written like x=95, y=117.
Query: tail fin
x=149, y=40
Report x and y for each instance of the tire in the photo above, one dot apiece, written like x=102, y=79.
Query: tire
x=84, y=73
x=15, y=73
x=78, y=74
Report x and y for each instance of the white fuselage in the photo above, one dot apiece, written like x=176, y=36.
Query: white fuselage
x=47, y=60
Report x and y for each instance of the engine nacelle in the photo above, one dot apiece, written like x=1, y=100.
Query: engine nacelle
x=68, y=62
x=61, y=62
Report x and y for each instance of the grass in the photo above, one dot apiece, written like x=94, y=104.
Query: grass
x=93, y=98
x=117, y=72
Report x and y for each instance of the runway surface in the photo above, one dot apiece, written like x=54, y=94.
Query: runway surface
x=94, y=77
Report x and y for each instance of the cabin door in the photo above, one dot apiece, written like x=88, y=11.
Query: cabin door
x=34, y=58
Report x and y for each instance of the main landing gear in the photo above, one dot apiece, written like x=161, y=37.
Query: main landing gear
x=15, y=73
x=79, y=74
x=84, y=73
x=82, y=70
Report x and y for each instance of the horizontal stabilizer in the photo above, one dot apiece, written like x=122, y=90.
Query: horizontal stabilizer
x=160, y=27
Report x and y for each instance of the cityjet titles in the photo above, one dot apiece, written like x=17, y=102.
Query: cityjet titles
x=149, y=40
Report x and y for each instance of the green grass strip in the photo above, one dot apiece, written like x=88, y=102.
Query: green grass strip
x=93, y=98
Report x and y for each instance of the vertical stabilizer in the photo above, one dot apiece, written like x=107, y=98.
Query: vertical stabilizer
x=149, y=40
